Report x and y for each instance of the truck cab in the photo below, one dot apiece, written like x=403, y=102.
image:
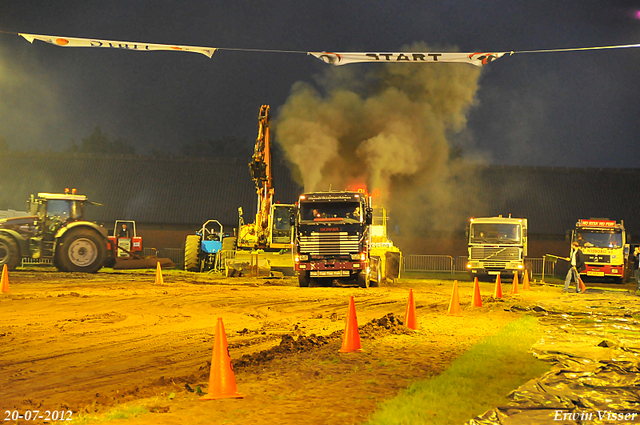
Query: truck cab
x=497, y=246
x=604, y=245
x=332, y=238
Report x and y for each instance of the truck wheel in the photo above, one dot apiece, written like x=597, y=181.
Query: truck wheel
x=81, y=250
x=191, y=250
x=363, y=279
x=9, y=252
x=303, y=280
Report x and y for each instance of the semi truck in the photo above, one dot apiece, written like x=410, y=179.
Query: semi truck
x=332, y=238
x=497, y=246
x=604, y=245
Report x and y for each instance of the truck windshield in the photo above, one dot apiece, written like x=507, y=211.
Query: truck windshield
x=495, y=233
x=330, y=211
x=589, y=239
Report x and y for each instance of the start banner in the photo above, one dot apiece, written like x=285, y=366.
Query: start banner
x=111, y=44
x=477, y=59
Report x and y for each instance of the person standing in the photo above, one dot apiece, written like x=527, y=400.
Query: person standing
x=636, y=253
x=577, y=265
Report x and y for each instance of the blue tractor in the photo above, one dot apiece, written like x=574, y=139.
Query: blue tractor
x=205, y=250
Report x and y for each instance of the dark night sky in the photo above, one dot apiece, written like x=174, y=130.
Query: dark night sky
x=576, y=109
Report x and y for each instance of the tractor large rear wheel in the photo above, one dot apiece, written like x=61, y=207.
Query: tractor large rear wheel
x=229, y=243
x=9, y=253
x=81, y=250
x=191, y=250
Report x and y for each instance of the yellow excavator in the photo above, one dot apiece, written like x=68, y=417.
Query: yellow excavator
x=265, y=244
x=271, y=229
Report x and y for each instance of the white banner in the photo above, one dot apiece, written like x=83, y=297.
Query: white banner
x=110, y=44
x=477, y=59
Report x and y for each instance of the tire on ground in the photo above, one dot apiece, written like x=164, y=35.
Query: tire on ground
x=57, y=263
x=378, y=281
x=303, y=280
x=9, y=252
x=363, y=279
x=81, y=250
x=191, y=250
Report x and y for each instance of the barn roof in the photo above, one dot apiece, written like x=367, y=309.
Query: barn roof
x=187, y=191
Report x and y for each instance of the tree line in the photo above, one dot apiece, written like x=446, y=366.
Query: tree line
x=101, y=143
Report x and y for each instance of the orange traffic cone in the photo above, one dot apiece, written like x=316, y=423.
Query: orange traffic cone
x=222, y=382
x=159, y=279
x=454, y=304
x=5, y=280
x=583, y=287
x=410, y=320
x=525, y=281
x=351, y=338
x=497, y=293
x=514, y=287
x=477, y=299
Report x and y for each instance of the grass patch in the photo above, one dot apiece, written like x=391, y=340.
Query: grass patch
x=118, y=412
x=477, y=381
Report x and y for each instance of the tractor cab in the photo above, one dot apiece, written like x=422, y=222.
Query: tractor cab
x=54, y=210
x=124, y=237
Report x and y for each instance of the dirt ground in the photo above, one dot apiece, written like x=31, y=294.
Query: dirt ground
x=86, y=343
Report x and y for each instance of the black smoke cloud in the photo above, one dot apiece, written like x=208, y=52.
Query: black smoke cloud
x=389, y=127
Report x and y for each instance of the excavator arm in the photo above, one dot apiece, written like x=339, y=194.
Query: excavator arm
x=260, y=167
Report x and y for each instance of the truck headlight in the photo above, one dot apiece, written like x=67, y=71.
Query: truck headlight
x=360, y=256
x=301, y=257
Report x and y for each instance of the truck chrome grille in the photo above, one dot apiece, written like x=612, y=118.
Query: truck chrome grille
x=504, y=253
x=329, y=243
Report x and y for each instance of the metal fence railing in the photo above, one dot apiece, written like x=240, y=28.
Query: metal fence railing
x=32, y=261
x=428, y=263
x=446, y=263
x=460, y=264
x=535, y=266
